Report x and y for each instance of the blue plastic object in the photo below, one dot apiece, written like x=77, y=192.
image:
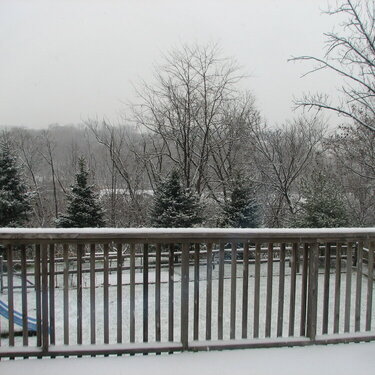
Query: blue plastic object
x=31, y=322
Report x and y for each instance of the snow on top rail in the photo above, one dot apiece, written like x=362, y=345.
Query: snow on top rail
x=174, y=234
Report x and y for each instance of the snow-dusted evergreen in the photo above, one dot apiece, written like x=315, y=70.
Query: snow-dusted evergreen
x=174, y=206
x=14, y=199
x=241, y=210
x=323, y=205
x=84, y=209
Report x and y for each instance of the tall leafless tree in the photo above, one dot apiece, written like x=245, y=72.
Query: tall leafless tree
x=350, y=53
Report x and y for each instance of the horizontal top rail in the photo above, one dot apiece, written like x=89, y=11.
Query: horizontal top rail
x=11, y=235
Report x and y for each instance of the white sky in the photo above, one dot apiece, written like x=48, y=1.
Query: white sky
x=63, y=61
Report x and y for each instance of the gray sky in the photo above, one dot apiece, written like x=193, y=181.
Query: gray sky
x=64, y=61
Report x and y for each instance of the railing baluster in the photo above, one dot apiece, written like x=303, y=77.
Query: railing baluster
x=233, y=285
x=280, y=309
x=348, y=291
x=145, y=293
x=105, y=293
x=245, y=288
x=92, y=295
x=38, y=300
x=25, y=336
x=196, y=292
x=132, y=292
x=66, y=293
x=293, y=276
x=79, y=293
x=157, y=293
x=269, y=290
x=171, y=293
x=358, y=287
x=313, y=291
x=256, y=290
x=44, y=298
x=10, y=295
x=51, y=289
x=220, y=292
x=185, y=296
x=370, y=282
x=304, y=289
x=209, y=292
x=327, y=266
x=336, y=312
x=119, y=292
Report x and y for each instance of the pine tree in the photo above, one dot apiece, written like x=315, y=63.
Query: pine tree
x=84, y=209
x=173, y=206
x=14, y=200
x=241, y=210
x=323, y=205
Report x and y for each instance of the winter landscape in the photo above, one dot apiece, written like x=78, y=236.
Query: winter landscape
x=183, y=178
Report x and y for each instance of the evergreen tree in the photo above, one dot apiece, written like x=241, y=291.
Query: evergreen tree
x=241, y=210
x=14, y=200
x=84, y=209
x=173, y=206
x=323, y=205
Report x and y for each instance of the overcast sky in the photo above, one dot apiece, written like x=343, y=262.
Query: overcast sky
x=64, y=61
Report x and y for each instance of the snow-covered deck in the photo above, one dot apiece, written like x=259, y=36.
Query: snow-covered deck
x=342, y=359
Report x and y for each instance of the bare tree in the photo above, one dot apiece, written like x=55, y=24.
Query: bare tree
x=350, y=53
x=185, y=105
x=281, y=156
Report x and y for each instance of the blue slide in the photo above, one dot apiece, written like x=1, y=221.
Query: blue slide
x=4, y=311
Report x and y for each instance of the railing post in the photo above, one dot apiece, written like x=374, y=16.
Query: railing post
x=1, y=274
x=44, y=274
x=312, y=291
x=185, y=296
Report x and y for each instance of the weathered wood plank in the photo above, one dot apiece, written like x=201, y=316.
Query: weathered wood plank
x=358, y=287
x=157, y=293
x=233, y=280
x=293, y=277
x=145, y=293
x=185, y=295
x=51, y=289
x=209, y=292
x=327, y=266
x=106, y=294
x=304, y=289
x=348, y=290
x=256, y=290
x=79, y=293
x=92, y=295
x=132, y=293
x=336, y=312
x=66, y=294
x=312, y=291
x=269, y=290
x=281, y=299
x=196, y=292
x=220, y=299
x=25, y=336
x=171, y=294
x=44, y=274
x=245, y=289
x=10, y=295
x=370, y=284
x=119, y=291
x=38, y=296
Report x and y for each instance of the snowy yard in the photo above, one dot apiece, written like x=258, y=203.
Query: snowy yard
x=341, y=359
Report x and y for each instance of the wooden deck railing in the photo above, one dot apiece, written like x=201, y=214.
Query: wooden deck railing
x=116, y=291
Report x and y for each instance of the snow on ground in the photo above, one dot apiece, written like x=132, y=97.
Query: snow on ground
x=341, y=359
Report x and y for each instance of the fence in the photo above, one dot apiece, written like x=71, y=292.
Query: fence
x=112, y=291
